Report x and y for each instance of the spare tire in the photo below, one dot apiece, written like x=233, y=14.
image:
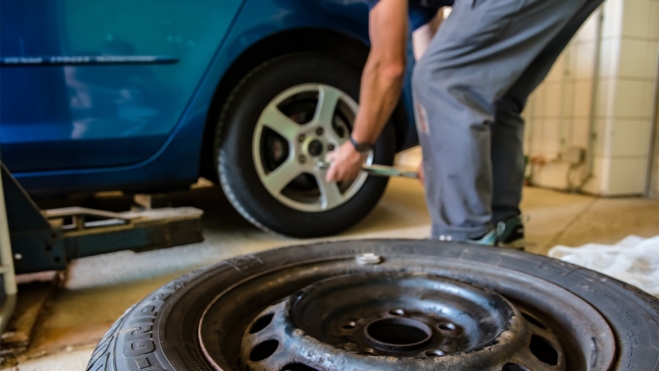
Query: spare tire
x=387, y=305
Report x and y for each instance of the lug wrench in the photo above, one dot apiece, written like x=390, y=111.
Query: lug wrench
x=378, y=170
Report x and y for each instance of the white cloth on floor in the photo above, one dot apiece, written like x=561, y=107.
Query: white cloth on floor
x=634, y=260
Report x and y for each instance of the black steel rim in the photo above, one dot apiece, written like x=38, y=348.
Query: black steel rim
x=339, y=315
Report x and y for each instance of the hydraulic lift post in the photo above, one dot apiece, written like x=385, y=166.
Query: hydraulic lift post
x=8, y=287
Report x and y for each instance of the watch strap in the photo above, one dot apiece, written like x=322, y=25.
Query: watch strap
x=361, y=147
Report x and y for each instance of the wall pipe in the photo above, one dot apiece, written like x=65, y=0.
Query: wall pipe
x=592, y=122
x=563, y=104
x=653, y=134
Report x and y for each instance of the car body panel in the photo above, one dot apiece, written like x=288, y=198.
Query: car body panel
x=143, y=122
x=79, y=114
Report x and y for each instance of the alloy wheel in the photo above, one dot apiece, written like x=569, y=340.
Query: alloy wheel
x=292, y=136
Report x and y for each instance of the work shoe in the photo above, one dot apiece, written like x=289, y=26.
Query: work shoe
x=510, y=233
x=490, y=239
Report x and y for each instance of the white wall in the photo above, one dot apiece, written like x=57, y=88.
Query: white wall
x=654, y=183
x=559, y=111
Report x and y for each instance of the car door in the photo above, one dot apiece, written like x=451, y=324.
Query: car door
x=88, y=84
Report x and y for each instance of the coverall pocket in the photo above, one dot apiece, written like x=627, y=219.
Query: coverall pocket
x=481, y=22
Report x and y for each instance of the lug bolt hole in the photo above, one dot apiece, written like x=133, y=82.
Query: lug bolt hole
x=370, y=351
x=330, y=147
x=301, y=138
x=447, y=326
x=350, y=325
x=319, y=131
x=434, y=353
x=397, y=312
x=303, y=159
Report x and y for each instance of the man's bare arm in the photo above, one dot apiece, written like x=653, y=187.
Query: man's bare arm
x=383, y=76
x=382, y=82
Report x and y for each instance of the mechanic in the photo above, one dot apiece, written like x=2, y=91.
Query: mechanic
x=470, y=88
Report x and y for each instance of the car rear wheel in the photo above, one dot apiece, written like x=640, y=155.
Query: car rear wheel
x=388, y=305
x=273, y=135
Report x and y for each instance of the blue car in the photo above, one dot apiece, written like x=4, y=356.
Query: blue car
x=149, y=95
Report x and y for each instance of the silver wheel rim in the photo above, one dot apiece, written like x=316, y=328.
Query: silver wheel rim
x=287, y=146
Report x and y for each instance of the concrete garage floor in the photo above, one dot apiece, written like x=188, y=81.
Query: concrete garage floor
x=97, y=290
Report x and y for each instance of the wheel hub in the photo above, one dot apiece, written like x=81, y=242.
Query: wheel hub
x=315, y=148
x=395, y=320
x=397, y=335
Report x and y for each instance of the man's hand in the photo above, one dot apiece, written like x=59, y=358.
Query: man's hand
x=345, y=163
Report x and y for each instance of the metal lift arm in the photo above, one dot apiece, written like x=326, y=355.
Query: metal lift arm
x=47, y=240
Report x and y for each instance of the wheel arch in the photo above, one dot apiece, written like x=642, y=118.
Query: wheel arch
x=340, y=46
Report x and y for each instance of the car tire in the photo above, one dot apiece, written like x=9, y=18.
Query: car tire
x=219, y=305
x=237, y=162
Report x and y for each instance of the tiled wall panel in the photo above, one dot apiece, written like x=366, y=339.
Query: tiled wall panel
x=625, y=81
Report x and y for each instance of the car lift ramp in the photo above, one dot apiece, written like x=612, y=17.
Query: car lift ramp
x=34, y=240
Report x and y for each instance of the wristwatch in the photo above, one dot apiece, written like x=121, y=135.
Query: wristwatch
x=361, y=147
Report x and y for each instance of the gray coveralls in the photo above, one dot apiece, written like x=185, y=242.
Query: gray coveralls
x=470, y=88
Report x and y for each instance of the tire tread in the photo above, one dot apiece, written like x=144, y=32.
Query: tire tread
x=222, y=170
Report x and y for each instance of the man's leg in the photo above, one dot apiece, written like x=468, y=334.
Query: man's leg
x=508, y=129
x=480, y=51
